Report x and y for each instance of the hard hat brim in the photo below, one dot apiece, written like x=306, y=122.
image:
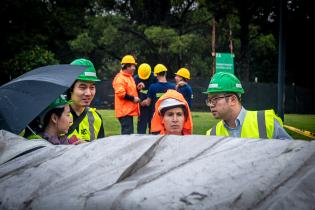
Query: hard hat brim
x=144, y=78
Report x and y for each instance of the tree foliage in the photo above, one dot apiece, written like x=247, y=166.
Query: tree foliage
x=176, y=33
x=28, y=60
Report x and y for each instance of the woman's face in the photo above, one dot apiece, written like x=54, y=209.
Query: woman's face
x=64, y=121
x=173, y=121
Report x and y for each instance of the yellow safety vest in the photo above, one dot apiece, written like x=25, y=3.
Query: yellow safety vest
x=257, y=124
x=34, y=136
x=89, y=126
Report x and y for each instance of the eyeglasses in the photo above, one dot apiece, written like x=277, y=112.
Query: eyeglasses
x=214, y=100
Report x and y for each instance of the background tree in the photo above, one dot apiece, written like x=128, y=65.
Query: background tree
x=176, y=33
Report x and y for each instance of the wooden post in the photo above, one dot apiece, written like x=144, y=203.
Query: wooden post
x=213, y=47
x=230, y=39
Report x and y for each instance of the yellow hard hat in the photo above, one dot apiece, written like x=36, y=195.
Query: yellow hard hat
x=128, y=59
x=159, y=68
x=144, y=71
x=183, y=72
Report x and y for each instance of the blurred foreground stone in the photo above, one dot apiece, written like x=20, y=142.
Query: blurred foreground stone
x=157, y=172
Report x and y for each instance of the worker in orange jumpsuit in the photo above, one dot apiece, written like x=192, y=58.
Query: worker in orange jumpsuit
x=126, y=95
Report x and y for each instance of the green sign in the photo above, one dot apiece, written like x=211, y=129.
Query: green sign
x=224, y=62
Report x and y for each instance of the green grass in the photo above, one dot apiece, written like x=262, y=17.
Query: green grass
x=301, y=121
x=204, y=120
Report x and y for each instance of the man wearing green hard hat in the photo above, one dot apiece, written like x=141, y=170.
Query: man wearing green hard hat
x=87, y=122
x=224, y=99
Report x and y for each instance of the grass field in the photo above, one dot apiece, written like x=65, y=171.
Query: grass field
x=204, y=120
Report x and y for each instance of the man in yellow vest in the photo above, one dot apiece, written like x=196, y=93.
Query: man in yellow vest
x=224, y=93
x=87, y=123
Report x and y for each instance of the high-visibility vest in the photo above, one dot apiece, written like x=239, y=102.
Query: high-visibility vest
x=34, y=136
x=257, y=124
x=89, y=127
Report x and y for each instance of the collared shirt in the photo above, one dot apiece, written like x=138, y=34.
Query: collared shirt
x=279, y=131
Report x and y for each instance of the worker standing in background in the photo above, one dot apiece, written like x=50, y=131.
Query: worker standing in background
x=126, y=95
x=143, y=80
x=182, y=77
x=157, y=89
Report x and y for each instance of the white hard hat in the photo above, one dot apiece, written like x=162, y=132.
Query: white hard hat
x=170, y=102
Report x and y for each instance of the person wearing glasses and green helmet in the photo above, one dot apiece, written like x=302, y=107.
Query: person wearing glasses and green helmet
x=87, y=122
x=224, y=99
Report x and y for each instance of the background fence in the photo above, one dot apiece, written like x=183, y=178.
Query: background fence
x=257, y=96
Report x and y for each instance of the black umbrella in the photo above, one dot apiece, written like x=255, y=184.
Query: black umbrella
x=23, y=98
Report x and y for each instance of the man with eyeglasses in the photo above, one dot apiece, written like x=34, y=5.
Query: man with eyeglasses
x=224, y=99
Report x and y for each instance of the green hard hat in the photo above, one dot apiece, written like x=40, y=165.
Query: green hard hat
x=89, y=74
x=59, y=102
x=225, y=82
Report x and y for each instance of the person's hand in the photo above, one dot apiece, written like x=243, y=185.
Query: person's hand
x=181, y=83
x=140, y=86
x=79, y=142
x=136, y=99
x=144, y=102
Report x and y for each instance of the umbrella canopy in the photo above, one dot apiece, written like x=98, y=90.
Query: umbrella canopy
x=23, y=98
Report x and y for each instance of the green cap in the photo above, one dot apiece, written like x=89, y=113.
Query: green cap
x=89, y=74
x=60, y=102
x=225, y=82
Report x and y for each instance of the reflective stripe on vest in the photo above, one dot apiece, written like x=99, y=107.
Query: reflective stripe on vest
x=257, y=124
x=262, y=124
x=89, y=127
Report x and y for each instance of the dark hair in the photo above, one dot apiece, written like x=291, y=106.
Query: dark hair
x=38, y=126
x=70, y=90
x=126, y=65
x=56, y=111
x=163, y=110
x=183, y=78
x=238, y=96
x=163, y=73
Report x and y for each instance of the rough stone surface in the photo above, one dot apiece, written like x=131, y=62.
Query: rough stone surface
x=157, y=172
